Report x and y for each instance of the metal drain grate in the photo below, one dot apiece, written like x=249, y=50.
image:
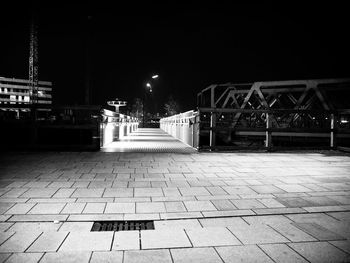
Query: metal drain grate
x=122, y=225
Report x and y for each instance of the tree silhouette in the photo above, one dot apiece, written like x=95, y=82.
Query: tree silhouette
x=171, y=107
x=137, y=108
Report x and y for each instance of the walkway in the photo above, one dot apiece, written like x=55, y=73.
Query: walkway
x=207, y=207
x=148, y=140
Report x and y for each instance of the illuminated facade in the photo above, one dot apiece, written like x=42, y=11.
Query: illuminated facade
x=16, y=96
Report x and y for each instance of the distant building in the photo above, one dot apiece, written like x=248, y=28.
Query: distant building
x=16, y=96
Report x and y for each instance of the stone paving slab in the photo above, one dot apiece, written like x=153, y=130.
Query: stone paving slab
x=73, y=208
x=244, y=254
x=343, y=245
x=48, y=242
x=317, y=231
x=19, y=209
x=282, y=253
x=88, y=241
x=5, y=226
x=37, y=218
x=241, y=212
x=257, y=234
x=177, y=224
x=204, y=255
x=126, y=240
x=19, y=242
x=171, y=238
x=107, y=257
x=320, y=252
x=24, y=257
x=223, y=222
x=4, y=257
x=153, y=207
x=34, y=227
x=146, y=256
x=293, y=233
x=277, y=204
x=5, y=236
x=67, y=257
x=212, y=236
x=76, y=226
x=95, y=217
x=94, y=208
x=43, y=208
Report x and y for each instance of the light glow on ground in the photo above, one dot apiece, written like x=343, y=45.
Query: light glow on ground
x=148, y=140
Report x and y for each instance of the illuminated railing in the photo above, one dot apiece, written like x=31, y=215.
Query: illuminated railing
x=202, y=129
x=183, y=126
x=115, y=126
x=273, y=128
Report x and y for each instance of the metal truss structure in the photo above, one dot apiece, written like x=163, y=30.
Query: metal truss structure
x=301, y=107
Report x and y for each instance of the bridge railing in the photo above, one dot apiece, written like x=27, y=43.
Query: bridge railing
x=288, y=114
x=272, y=128
x=212, y=129
x=115, y=126
x=183, y=126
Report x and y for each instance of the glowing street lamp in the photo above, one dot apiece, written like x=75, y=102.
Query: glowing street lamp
x=148, y=85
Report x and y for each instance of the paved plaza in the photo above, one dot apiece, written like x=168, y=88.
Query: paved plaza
x=206, y=207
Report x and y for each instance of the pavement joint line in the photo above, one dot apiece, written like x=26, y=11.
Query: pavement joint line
x=235, y=235
x=8, y=238
x=188, y=237
x=217, y=252
x=288, y=244
x=258, y=245
x=187, y=218
x=63, y=208
x=43, y=254
x=90, y=257
x=110, y=249
x=317, y=239
x=33, y=241
x=329, y=242
x=171, y=256
x=269, y=226
x=140, y=243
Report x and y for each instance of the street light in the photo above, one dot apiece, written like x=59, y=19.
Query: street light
x=148, y=85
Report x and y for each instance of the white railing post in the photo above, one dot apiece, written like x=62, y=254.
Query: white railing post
x=268, y=139
x=182, y=126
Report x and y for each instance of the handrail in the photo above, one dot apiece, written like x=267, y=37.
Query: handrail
x=115, y=126
x=183, y=126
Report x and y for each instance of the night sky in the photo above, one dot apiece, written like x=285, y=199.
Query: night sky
x=190, y=46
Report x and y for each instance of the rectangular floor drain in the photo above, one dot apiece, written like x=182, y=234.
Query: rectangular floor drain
x=122, y=225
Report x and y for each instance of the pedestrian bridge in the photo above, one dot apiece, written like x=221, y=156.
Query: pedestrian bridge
x=275, y=114
x=148, y=140
x=261, y=115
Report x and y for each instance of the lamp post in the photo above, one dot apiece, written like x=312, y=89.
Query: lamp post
x=148, y=86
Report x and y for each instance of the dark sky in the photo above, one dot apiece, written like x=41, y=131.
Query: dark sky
x=190, y=46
